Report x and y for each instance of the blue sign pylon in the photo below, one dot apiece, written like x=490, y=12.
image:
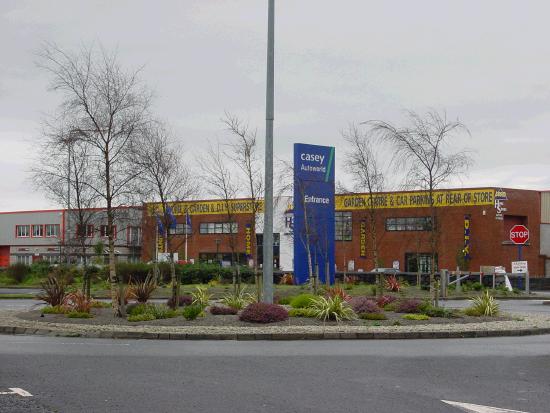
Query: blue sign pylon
x=313, y=228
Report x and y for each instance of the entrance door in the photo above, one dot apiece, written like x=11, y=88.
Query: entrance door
x=4, y=256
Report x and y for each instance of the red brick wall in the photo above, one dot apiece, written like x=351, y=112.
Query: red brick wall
x=198, y=243
x=489, y=243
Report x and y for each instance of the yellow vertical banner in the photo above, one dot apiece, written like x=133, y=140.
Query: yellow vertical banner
x=363, y=239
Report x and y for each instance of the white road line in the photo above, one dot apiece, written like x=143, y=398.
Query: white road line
x=69, y=343
x=478, y=408
x=17, y=390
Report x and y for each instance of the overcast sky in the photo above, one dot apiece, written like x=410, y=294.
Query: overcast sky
x=486, y=63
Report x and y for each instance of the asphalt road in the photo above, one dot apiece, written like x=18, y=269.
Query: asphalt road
x=74, y=375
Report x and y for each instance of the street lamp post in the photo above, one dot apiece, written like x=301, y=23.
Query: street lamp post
x=268, y=197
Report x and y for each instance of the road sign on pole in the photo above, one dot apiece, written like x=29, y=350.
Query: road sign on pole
x=519, y=234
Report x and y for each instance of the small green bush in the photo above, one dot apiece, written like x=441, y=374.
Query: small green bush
x=18, y=272
x=472, y=312
x=285, y=300
x=78, y=314
x=136, y=309
x=417, y=317
x=432, y=311
x=373, y=316
x=54, y=310
x=390, y=306
x=191, y=312
x=332, y=308
x=160, y=311
x=477, y=286
x=141, y=317
x=302, y=300
x=485, y=304
x=201, y=297
x=301, y=312
x=238, y=300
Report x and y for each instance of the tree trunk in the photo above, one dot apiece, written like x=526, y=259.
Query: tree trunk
x=175, y=285
x=116, y=284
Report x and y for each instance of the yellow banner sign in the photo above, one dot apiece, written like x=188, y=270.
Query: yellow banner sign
x=236, y=206
x=421, y=199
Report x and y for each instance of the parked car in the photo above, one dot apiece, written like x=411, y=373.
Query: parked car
x=385, y=270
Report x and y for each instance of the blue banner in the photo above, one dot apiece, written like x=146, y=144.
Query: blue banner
x=313, y=211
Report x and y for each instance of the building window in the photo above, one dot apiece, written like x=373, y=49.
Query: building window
x=181, y=229
x=37, y=231
x=22, y=231
x=24, y=259
x=134, y=235
x=342, y=226
x=409, y=224
x=103, y=232
x=218, y=228
x=419, y=262
x=88, y=233
x=52, y=230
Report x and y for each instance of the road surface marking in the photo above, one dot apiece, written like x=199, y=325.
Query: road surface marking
x=478, y=408
x=17, y=390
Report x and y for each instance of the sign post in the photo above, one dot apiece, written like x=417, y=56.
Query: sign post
x=519, y=235
x=314, y=226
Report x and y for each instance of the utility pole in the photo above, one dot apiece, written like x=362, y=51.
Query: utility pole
x=268, y=197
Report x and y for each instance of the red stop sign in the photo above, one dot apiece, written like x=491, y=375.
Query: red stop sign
x=519, y=234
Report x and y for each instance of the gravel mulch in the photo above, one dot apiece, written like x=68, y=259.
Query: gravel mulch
x=104, y=316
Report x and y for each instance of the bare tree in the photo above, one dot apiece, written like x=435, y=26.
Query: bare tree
x=368, y=177
x=422, y=149
x=244, y=152
x=308, y=237
x=61, y=171
x=221, y=184
x=164, y=179
x=107, y=108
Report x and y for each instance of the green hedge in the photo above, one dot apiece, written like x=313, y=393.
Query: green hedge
x=200, y=273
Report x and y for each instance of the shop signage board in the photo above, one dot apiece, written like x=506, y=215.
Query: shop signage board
x=314, y=228
x=519, y=267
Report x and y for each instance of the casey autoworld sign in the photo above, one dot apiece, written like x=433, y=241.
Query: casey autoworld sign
x=313, y=211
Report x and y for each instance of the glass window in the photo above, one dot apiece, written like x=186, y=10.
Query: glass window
x=409, y=224
x=22, y=230
x=134, y=235
x=105, y=233
x=38, y=231
x=217, y=228
x=181, y=229
x=342, y=226
x=24, y=259
x=52, y=230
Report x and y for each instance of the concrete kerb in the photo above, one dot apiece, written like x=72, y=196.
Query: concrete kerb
x=216, y=335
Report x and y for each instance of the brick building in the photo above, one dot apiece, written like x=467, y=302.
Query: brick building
x=476, y=220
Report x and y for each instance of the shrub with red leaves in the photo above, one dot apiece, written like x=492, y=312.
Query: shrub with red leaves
x=338, y=292
x=287, y=279
x=182, y=301
x=78, y=302
x=408, y=306
x=263, y=313
x=392, y=284
x=384, y=300
x=362, y=305
x=222, y=310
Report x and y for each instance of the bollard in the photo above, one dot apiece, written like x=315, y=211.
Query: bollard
x=444, y=282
